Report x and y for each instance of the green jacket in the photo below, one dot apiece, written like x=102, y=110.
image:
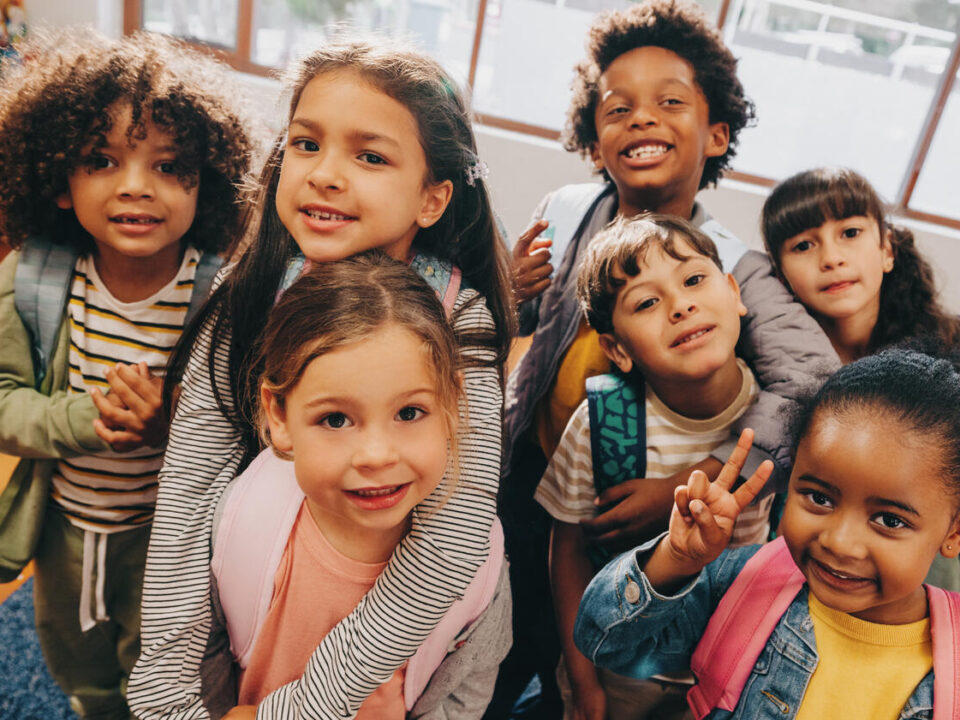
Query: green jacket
x=39, y=426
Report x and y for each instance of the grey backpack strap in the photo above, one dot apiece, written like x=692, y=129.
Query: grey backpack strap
x=207, y=268
x=568, y=209
x=41, y=290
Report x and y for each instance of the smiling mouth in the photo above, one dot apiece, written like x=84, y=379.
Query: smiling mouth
x=689, y=337
x=378, y=492
x=838, y=579
x=838, y=286
x=647, y=151
x=326, y=215
x=135, y=220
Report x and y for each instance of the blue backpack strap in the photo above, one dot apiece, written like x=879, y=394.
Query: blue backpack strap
x=568, y=209
x=207, y=268
x=618, y=430
x=41, y=289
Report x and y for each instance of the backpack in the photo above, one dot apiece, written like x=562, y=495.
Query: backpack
x=256, y=517
x=42, y=285
x=752, y=606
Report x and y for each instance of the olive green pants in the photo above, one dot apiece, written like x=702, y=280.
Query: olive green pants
x=91, y=667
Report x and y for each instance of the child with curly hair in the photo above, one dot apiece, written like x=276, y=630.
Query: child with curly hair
x=122, y=162
x=657, y=109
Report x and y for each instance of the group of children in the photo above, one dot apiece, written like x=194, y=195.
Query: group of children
x=284, y=497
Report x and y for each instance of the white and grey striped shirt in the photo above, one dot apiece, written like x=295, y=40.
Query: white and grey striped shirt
x=429, y=570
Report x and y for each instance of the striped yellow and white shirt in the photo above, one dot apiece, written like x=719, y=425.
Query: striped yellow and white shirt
x=109, y=492
x=674, y=442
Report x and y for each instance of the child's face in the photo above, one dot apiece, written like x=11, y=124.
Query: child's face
x=866, y=513
x=836, y=270
x=676, y=320
x=129, y=197
x=367, y=433
x=654, y=133
x=354, y=173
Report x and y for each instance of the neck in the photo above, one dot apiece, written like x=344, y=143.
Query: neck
x=131, y=279
x=850, y=336
x=356, y=543
x=703, y=398
x=679, y=203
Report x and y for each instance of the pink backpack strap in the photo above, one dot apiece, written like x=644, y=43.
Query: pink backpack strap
x=740, y=627
x=443, y=639
x=945, y=632
x=449, y=297
x=256, y=519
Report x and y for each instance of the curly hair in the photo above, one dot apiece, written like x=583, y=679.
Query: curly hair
x=682, y=28
x=61, y=99
x=908, y=295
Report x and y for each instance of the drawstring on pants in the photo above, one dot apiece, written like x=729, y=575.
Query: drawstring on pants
x=91, y=539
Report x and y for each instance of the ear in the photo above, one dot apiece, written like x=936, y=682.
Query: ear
x=741, y=308
x=887, y=248
x=950, y=547
x=64, y=200
x=276, y=420
x=595, y=156
x=435, y=200
x=615, y=352
x=718, y=139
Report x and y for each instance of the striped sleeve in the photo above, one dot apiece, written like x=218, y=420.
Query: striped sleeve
x=567, y=490
x=429, y=570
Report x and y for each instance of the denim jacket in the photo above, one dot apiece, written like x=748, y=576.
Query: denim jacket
x=626, y=626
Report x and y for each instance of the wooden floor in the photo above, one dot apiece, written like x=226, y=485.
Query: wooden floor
x=7, y=464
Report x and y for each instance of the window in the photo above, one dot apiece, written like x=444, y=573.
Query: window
x=820, y=73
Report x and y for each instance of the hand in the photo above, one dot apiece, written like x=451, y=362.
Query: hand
x=589, y=702
x=633, y=511
x=704, y=512
x=531, y=263
x=242, y=712
x=131, y=414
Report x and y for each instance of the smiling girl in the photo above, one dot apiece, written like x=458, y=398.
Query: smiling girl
x=873, y=499
x=862, y=278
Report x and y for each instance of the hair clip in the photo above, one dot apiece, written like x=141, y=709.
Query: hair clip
x=477, y=171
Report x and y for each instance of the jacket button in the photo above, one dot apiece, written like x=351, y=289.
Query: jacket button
x=632, y=592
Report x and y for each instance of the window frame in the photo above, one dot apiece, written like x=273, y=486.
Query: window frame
x=240, y=59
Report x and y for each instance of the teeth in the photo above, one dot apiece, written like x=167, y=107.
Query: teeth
x=324, y=215
x=695, y=335
x=135, y=220
x=647, y=151
x=377, y=492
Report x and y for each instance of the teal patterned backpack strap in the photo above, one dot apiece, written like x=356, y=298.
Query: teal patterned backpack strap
x=442, y=275
x=618, y=430
x=41, y=290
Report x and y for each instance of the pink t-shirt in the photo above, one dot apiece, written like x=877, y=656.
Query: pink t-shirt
x=315, y=588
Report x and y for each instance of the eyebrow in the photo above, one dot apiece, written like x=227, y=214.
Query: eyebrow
x=873, y=498
x=362, y=135
x=336, y=399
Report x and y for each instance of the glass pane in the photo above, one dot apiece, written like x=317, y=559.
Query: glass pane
x=841, y=83
x=286, y=29
x=936, y=189
x=209, y=21
x=528, y=53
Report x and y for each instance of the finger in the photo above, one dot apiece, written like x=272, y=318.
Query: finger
x=119, y=440
x=710, y=532
x=540, y=245
x=533, y=290
x=698, y=485
x=139, y=380
x=522, y=246
x=113, y=415
x=745, y=494
x=537, y=266
x=127, y=384
x=606, y=522
x=681, y=499
x=731, y=469
x=614, y=494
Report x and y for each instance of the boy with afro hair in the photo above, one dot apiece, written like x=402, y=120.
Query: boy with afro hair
x=657, y=109
x=122, y=163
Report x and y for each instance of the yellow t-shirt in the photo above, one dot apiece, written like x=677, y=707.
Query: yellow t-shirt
x=584, y=359
x=867, y=671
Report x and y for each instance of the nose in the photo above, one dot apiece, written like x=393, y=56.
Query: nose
x=842, y=537
x=830, y=255
x=134, y=181
x=682, y=306
x=376, y=450
x=644, y=115
x=326, y=173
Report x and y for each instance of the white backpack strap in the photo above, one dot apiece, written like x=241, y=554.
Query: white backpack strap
x=256, y=519
x=729, y=246
x=567, y=210
x=945, y=633
x=443, y=639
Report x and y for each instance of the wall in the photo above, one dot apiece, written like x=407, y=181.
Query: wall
x=524, y=169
